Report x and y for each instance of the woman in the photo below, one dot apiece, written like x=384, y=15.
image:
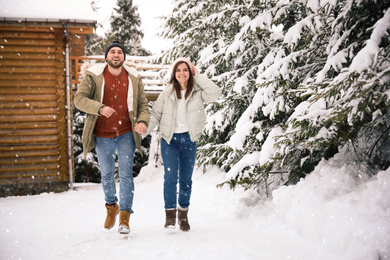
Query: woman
x=179, y=113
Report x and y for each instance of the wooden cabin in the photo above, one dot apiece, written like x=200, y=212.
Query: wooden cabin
x=36, y=144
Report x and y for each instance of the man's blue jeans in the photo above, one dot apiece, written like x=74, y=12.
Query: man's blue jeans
x=106, y=149
x=179, y=160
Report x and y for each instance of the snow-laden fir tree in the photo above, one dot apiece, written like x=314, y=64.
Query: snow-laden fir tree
x=300, y=81
x=125, y=27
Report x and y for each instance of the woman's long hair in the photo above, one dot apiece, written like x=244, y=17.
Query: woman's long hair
x=175, y=83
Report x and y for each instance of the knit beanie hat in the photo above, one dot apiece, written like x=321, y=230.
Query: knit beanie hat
x=115, y=44
x=186, y=61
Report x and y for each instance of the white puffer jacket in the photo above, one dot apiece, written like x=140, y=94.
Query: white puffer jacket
x=163, y=112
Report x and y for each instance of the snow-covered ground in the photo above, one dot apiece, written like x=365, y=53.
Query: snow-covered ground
x=332, y=214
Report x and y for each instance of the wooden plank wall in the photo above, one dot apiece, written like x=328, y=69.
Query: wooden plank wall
x=33, y=143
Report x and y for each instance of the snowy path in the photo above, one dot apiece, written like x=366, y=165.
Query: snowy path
x=70, y=226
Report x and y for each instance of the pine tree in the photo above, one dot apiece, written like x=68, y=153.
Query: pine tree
x=300, y=81
x=125, y=24
x=125, y=28
x=350, y=89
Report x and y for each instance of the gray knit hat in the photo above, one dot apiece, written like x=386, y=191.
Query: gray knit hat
x=115, y=44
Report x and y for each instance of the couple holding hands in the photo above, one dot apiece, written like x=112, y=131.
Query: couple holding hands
x=112, y=95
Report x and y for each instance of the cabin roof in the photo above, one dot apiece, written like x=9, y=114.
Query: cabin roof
x=76, y=11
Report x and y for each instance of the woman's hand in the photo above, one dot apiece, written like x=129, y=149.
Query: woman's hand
x=193, y=69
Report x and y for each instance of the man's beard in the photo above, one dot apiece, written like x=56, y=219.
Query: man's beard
x=115, y=66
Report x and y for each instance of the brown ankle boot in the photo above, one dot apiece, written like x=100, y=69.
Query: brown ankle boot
x=182, y=216
x=112, y=211
x=124, y=218
x=170, y=217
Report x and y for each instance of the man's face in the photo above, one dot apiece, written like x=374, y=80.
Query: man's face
x=115, y=57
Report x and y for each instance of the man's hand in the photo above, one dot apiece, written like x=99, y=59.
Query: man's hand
x=107, y=111
x=140, y=128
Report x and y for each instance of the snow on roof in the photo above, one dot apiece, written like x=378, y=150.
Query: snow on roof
x=47, y=9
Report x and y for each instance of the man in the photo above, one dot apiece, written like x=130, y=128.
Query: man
x=112, y=94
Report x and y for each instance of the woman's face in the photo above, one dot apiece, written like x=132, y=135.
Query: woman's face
x=182, y=73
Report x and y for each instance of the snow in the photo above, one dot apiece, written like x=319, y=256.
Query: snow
x=256, y=158
x=343, y=212
x=247, y=159
x=363, y=59
x=244, y=128
x=268, y=149
x=332, y=214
